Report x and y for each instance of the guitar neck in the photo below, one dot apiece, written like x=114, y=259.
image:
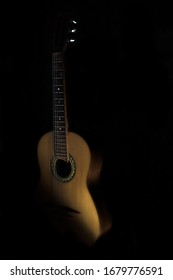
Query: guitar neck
x=59, y=106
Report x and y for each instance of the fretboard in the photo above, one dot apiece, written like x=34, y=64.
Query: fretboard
x=59, y=106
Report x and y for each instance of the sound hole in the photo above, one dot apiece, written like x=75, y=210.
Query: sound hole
x=63, y=168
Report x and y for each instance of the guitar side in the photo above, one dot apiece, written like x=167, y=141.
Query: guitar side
x=71, y=203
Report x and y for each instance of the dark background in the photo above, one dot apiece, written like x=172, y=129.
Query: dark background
x=119, y=85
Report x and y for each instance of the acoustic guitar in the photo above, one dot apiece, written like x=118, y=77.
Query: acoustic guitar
x=67, y=167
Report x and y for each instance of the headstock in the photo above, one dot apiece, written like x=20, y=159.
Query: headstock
x=65, y=33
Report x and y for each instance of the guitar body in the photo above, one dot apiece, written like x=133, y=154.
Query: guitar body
x=67, y=200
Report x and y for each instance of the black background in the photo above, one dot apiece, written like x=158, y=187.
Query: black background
x=119, y=85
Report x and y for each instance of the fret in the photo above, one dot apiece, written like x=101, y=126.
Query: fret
x=60, y=128
x=63, y=141
x=58, y=72
x=56, y=69
x=60, y=124
x=58, y=87
x=61, y=146
x=57, y=66
x=57, y=78
x=63, y=156
x=58, y=114
x=60, y=153
x=56, y=119
x=59, y=99
x=59, y=149
x=58, y=137
x=60, y=134
x=59, y=82
x=59, y=103
x=58, y=95
x=64, y=151
x=58, y=92
x=60, y=106
x=58, y=145
x=58, y=63
x=60, y=120
x=58, y=58
x=57, y=123
x=58, y=111
x=59, y=141
x=55, y=89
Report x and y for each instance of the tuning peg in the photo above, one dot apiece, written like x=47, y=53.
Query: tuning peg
x=73, y=30
x=72, y=40
x=74, y=21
